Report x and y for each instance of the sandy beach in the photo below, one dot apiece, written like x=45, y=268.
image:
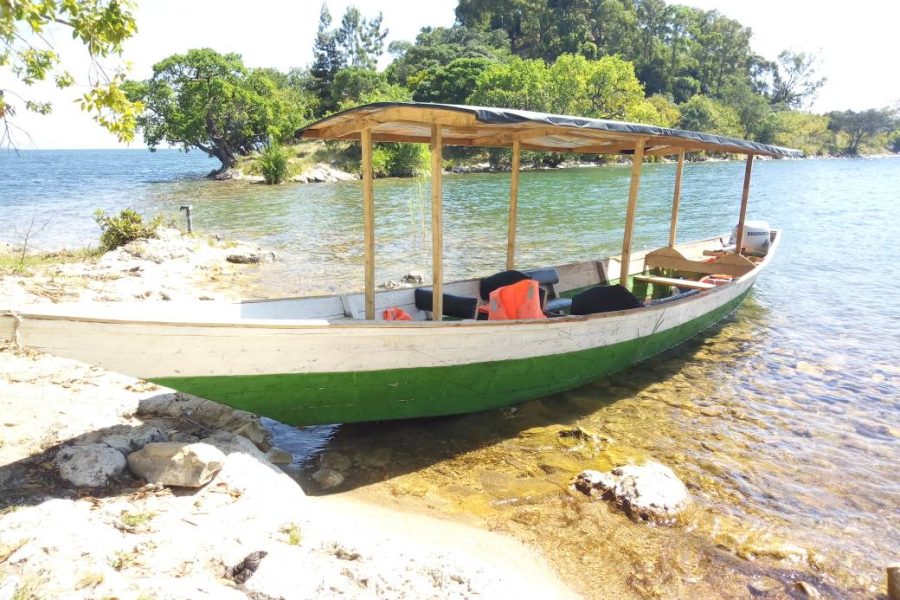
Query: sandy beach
x=129, y=539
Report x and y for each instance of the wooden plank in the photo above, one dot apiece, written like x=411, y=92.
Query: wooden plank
x=513, y=205
x=369, y=221
x=726, y=264
x=437, y=224
x=745, y=197
x=676, y=199
x=636, y=164
x=682, y=283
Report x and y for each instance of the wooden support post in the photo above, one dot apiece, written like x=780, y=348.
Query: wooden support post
x=368, y=221
x=636, y=164
x=676, y=199
x=513, y=205
x=893, y=581
x=745, y=196
x=437, y=226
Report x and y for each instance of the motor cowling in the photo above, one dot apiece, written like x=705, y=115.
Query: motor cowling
x=757, y=236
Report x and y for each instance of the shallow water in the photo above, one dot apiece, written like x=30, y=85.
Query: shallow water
x=783, y=420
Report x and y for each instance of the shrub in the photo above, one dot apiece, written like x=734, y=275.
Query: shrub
x=273, y=162
x=125, y=227
x=400, y=160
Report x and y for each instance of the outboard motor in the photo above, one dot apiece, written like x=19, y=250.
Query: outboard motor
x=757, y=235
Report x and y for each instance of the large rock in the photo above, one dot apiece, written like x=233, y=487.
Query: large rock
x=211, y=414
x=90, y=465
x=647, y=492
x=229, y=443
x=251, y=257
x=124, y=438
x=176, y=463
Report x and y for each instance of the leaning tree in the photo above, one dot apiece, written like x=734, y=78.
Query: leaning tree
x=212, y=102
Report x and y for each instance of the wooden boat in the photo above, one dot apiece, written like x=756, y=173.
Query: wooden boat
x=334, y=359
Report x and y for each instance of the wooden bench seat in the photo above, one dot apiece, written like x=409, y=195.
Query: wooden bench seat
x=682, y=283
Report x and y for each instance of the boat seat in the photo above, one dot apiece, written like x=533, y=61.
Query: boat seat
x=499, y=280
x=461, y=307
x=675, y=282
x=604, y=298
x=673, y=297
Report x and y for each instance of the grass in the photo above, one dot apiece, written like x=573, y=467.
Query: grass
x=131, y=521
x=17, y=264
x=292, y=531
x=90, y=579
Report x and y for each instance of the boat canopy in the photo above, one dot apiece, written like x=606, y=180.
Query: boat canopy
x=453, y=125
x=500, y=127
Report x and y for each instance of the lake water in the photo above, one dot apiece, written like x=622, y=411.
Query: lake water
x=783, y=420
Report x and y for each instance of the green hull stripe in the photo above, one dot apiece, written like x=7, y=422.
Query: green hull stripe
x=322, y=398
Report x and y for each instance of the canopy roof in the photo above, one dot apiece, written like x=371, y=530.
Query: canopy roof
x=500, y=127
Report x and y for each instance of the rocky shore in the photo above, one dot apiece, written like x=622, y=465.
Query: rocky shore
x=113, y=487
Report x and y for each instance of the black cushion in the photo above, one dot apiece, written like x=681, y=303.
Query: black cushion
x=504, y=278
x=605, y=298
x=462, y=307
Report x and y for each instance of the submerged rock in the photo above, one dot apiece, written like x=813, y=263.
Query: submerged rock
x=251, y=257
x=176, y=463
x=328, y=478
x=89, y=465
x=648, y=492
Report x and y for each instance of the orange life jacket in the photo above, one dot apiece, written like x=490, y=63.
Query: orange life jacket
x=395, y=313
x=520, y=300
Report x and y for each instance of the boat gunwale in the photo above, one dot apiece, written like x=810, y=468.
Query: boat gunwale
x=298, y=324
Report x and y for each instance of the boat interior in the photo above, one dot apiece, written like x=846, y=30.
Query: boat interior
x=589, y=287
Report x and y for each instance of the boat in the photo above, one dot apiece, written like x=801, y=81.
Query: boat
x=335, y=359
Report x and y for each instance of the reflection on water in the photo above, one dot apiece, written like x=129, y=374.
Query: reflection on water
x=782, y=420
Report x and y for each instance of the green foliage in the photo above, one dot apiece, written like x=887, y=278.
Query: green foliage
x=357, y=44
x=400, y=160
x=667, y=112
x=273, y=163
x=709, y=116
x=360, y=40
x=861, y=126
x=27, y=50
x=354, y=86
x=518, y=83
x=211, y=101
x=125, y=227
x=605, y=88
x=805, y=131
x=794, y=82
x=439, y=46
x=452, y=83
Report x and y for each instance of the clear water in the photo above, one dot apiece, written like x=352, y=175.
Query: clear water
x=783, y=421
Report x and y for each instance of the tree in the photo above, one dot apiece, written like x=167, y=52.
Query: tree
x=439, y=46
x=360, y=40
x=211, y=101
x=806, y=131
x=794, y=82
x=327, y=58
x=861, y=126
x=452, y=84
x=709, y=116
x=25, y=50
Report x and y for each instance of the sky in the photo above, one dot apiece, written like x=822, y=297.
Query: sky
x=855, y=48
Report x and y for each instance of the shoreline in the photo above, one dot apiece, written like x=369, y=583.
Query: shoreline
x=131, y=540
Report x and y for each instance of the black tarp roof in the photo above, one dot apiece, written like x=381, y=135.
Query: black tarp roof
x=499, y=127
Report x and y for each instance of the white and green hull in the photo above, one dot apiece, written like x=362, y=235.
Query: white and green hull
x=322, y=370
